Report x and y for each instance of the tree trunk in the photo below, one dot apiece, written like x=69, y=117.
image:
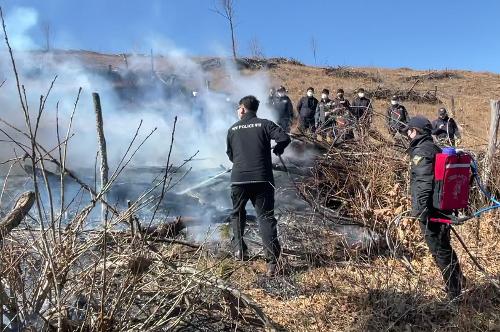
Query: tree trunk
x=232, y=37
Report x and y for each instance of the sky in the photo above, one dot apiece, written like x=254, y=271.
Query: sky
x=423, y=34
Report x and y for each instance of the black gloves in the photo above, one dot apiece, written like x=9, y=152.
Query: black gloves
x=278, y=150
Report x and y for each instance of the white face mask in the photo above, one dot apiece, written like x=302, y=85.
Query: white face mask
x=361, y=95
x=281, y=94
x=394, y=102
x=324, y=96
x=310, y=93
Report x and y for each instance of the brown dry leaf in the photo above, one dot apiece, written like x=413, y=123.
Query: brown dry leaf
x=394, y=191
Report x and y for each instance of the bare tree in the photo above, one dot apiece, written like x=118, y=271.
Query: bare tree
x=314, y=49
x=225, y=8
x=45, y=27
x=256, y=49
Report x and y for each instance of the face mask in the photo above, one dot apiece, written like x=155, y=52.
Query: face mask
x=324, y=96
x=394, y=102
x=281, y=94
x=361, y=95
x=309, y=93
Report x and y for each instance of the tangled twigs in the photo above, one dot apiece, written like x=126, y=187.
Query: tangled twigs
x=213, y=281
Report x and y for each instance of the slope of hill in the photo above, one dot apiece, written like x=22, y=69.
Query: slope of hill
x=340, y=288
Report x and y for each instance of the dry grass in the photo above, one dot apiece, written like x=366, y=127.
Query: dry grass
x=348, y=290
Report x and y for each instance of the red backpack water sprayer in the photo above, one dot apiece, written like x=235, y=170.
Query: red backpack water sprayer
x=452, y=180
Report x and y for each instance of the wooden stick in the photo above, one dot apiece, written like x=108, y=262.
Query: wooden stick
x=14, y=218
x=102, y=149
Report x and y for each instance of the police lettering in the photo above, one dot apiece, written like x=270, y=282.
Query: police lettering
x=250, y=125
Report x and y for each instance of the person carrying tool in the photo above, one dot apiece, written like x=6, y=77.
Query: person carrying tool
x=249, y=149
x=397, y=117
x=445, y=129
x=422, y=153
x=306, y=107
x=283, y=109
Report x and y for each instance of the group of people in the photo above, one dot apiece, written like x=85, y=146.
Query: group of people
x=334, y=117
x=249, y=149
x=325, y=116
x=444, y=129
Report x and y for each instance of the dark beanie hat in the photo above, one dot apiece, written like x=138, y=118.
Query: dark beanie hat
x=326, y=91
x=421, y=123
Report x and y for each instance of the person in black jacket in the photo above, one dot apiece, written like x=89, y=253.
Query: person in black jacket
x=445, y=129
x=397, y=117
x=283, y=109
x=306, y=108
x=361, y=107
x=340, y=102
x=249, y=149
x=271, y=97
x=422, y=153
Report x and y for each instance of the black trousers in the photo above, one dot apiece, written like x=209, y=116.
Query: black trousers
x=438, y=238
x=262, y=197
x=284, y=123
x=306, y=123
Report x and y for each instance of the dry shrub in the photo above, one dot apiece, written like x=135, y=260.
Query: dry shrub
x=345, y=72
x=438, y=75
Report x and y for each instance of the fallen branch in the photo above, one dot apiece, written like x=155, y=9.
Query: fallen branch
x=14, y=218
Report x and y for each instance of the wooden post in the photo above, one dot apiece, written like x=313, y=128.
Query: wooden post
x=102, y=149
x=490, y=153
x=493, y=140
x=453, y=107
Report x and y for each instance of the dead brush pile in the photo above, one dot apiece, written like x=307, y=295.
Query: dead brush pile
x=346, y=72
x=421, y=97
x=366, y=182
x=397, y=287
x=434, y=76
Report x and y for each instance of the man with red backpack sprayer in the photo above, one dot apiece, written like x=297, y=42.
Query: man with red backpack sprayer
x=439, y=185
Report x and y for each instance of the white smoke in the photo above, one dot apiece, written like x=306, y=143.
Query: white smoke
x=19, y=22
x=206, y=132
